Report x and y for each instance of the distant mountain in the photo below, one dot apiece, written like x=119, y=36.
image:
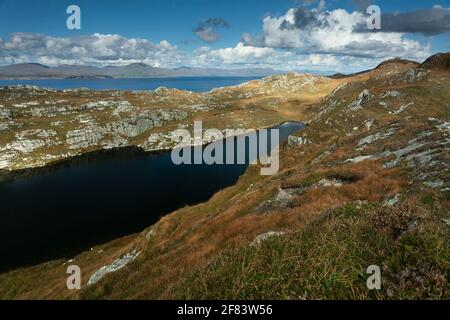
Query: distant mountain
x=134, y=70
x=24, y=69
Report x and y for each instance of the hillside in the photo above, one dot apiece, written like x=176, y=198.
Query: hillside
x=366, y=183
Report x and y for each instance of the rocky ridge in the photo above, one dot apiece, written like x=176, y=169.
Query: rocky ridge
x=78, y=121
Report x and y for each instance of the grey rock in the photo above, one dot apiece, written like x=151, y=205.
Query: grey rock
x=399, y=154
x=434, y=184
x=5, y=113
x=294, y=141
x=131, y=127
x=363, y=98
x=262, y=237
x=85, y=137
x=377, y=136
x=415, y=74
x=391, y=94
x=329, y=183
x=360, y=159
x=113, y=267
x=392, y=201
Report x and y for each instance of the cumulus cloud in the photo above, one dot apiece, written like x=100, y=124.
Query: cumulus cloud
x=322, y=60
x=245, y=56
x=330, y=63
x=102, y=50
x=335, y=32
x=239, y=55
x=206, y=29
x=96, y=49
x=303, y=38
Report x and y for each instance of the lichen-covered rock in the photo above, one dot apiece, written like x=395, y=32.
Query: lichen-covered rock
x=262, y=237
x=85, y=137
x=329, y=183
x=390, y=94
x=5, y=113
x=137, y=124
x=377, y=136
x=294, y=141
x=113, y=267
x=402, y=108
x=363, y=98
x=392, y=201
x=131, y=127
x=415, y=74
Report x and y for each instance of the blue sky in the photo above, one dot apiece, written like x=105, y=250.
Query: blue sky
x=231, y=33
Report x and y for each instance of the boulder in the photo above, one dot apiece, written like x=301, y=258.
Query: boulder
x=262, y=237
x=113, y=267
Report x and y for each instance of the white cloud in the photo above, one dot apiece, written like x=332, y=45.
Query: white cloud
x=96, y=49
x=323, y=60
x=302, y=38
x=239, y=55
x=249, y=56
x=335, y=32
x=113, y=49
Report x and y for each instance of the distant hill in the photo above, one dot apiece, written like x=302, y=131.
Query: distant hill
x=391, y=63
x=134, y=70
x=438, y=61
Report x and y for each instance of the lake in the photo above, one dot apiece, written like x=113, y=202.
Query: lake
x=92, y=199
x=196, y=84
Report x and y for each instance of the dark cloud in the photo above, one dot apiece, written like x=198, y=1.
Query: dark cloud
x=252, y=40
x=431, y=21
x=305, y=18
x=427, y=21
x=206, y=29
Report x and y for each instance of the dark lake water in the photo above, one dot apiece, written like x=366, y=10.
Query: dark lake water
x=196, y=84
x=92, y=199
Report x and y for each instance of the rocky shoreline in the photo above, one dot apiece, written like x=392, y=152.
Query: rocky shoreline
x=132, y=150
x=42, y=125
x=7, y=175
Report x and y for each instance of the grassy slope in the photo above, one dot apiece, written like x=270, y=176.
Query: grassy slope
x=333, y=234
x=328, y=259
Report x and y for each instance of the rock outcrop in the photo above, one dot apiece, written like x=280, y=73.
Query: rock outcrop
x=113, y=267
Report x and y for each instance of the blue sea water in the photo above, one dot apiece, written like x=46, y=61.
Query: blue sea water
x=196, y=84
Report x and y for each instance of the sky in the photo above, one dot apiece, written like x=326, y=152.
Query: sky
x=288, y=35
